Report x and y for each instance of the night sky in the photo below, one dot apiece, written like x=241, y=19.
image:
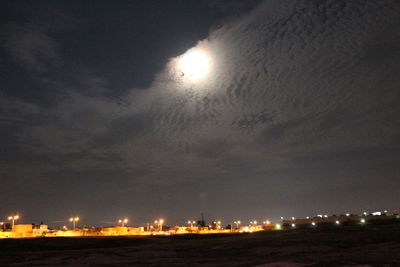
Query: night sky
x=298, y=114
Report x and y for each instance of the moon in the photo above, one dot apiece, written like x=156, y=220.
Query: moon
x=194, y=64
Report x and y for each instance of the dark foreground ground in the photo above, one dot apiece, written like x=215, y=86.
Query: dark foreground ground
x=369, y=245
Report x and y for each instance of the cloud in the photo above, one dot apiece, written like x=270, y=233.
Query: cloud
x=31, y=47
x=295, y=85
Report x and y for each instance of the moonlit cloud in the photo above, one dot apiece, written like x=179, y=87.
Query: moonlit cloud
x=295, y=88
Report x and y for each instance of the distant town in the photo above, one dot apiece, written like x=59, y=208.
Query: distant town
x=12, y=229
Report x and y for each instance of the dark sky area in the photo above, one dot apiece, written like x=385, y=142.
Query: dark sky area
x=298, y=115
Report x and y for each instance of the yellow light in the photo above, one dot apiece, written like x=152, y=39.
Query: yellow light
x=278, y=226
x=194, y=64
x=76, y=218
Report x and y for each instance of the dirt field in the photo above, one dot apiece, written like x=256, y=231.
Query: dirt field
x=377, y=245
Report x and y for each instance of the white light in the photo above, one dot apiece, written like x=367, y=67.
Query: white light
x=313, y=223
x=307, y=217
x=194, y=64
x=362, y=220
x=347, y=214
x=337, y=222
x=293, y=225
x=377, y=213
x=278, y=226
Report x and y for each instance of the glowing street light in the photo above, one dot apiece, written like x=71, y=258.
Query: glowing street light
x=159, y=224
x=73, y=220
x=337, y=222
x=293, y=225
x=191, y=224
x=13, y=218
x=237, y=224
x=266, y=222
x=277, y=226
x=313, y=224
x=362, y=220
x=123, y=221
x=253, y=223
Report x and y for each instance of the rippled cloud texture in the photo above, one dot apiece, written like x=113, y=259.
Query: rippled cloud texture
x=299, y=114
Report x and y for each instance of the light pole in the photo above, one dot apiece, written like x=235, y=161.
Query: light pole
x=237, y=224
x=159, y=223
x=191, y=224
x=253, y=223
x=13, y=218
x=123, y=221
x=73, y=220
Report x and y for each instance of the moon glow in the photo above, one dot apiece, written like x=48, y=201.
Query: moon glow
x=194, y=64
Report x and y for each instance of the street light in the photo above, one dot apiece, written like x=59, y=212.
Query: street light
x=253, y=223
x=73, y=220
x=237, y=223
x=191, y=223
x=123, y=221
x=13, y=218
x=266, y=222
x=159, y=223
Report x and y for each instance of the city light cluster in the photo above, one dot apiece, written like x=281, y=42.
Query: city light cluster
x=9, y=228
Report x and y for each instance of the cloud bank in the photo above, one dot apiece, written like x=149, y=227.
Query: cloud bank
x=302, y=93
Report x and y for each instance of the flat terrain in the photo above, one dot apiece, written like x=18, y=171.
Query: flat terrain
x=368, y=245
